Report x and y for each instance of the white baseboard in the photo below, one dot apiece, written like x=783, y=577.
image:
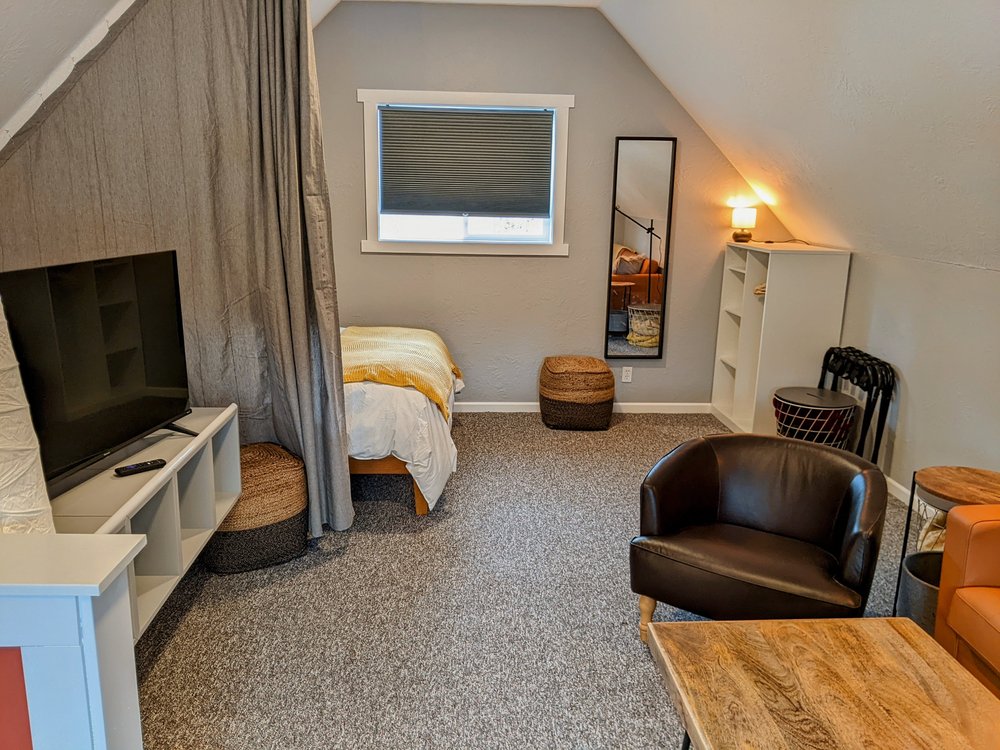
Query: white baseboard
x=661, y=407
x=498, y=406
x=897, y=490
x=627, y=407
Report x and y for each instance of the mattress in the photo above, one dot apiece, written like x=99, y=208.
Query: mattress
x=384, y=420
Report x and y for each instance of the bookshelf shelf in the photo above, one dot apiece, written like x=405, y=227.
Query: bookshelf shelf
x=177, y=508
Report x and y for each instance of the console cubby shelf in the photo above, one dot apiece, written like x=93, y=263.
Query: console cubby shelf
x=768, y=341
x=178, y=508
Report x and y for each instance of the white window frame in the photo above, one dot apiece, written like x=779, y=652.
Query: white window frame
x=560, y=103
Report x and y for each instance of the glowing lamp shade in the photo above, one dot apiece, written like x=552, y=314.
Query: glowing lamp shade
x=744, y=219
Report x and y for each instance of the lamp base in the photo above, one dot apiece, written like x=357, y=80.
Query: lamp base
x=742, y=235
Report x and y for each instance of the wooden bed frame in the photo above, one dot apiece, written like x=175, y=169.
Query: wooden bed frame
x=389, y=465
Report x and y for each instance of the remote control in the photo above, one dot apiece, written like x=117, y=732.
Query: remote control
x=130, y=469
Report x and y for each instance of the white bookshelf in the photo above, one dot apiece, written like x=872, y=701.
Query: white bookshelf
x=778, y=339
x=177, y=508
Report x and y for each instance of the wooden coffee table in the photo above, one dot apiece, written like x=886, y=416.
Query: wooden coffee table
x=862, y=683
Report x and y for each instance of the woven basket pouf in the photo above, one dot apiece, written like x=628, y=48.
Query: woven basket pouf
x=576, y=393
x=268, y=524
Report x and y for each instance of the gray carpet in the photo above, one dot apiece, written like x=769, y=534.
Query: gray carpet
x=502, y=620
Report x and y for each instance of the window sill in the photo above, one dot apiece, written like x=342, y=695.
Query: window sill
x=523, y=250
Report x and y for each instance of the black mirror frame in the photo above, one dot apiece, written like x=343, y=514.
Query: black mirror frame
x=666, y=244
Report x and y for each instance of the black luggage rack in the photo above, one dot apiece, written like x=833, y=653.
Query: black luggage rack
x=870, y=374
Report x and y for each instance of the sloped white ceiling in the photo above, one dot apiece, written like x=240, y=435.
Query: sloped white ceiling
x=875, y=125
x=39, y=42
x=320, y=8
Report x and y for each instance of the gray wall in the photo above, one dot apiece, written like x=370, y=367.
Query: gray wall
x=883, y=142
x=501, y=316
x=936, y=322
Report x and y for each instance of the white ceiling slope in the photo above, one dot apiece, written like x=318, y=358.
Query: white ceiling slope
x=319, y=9
x=875, y=125
x=40, y=42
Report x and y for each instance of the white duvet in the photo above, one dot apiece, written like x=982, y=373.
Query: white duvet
x=385, y=420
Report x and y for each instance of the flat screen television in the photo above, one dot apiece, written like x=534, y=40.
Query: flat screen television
x=101, y=353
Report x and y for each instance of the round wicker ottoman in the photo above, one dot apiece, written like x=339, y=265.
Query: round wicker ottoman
x=269, y=524
x=576, y=393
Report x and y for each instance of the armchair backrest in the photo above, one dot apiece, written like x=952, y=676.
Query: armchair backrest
x=801, y=490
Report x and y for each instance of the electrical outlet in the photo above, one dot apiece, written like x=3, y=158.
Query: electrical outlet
x=626, y=374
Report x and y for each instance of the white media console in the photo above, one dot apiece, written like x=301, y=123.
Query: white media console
x=67, y=667
x=178, y=507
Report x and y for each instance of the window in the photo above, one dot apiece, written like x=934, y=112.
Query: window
x=457, y=173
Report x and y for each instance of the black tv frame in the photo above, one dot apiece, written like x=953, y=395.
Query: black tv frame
x=62, y=477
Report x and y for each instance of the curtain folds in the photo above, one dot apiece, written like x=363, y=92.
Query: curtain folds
x=294, y=255
x=260, y=296
x=196, y=128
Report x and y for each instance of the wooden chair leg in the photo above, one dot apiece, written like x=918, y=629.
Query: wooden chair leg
x=420, y=501
x=647, y=605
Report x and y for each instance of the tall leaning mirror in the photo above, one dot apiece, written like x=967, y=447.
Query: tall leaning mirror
x=640, y=247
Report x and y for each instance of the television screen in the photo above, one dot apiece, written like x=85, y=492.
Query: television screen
x=101, y=353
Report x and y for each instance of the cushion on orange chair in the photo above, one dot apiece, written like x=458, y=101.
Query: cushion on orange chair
x=975, y=618
x=971, y=558
x=968, y=612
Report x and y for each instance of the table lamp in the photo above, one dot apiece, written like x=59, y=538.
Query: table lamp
x=744, y=219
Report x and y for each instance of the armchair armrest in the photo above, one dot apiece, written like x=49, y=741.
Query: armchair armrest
x=862, y=537
x=971, y=558
x=682, y=489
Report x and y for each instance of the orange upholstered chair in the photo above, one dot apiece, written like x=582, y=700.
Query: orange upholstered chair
x=968, y=613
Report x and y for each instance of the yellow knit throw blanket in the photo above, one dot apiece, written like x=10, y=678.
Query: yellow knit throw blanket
x=400, y=356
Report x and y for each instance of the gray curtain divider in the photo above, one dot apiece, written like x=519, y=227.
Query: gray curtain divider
x=295, y=255
x=195, y=127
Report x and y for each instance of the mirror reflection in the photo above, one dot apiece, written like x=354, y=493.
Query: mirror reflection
x=640, y=247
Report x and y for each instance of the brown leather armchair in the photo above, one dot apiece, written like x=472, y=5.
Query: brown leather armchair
x=738, y=527
x=968, y=613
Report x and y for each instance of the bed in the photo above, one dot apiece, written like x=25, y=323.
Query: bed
x=399, y=397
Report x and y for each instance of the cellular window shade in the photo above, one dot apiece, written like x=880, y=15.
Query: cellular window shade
x=480, y=162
